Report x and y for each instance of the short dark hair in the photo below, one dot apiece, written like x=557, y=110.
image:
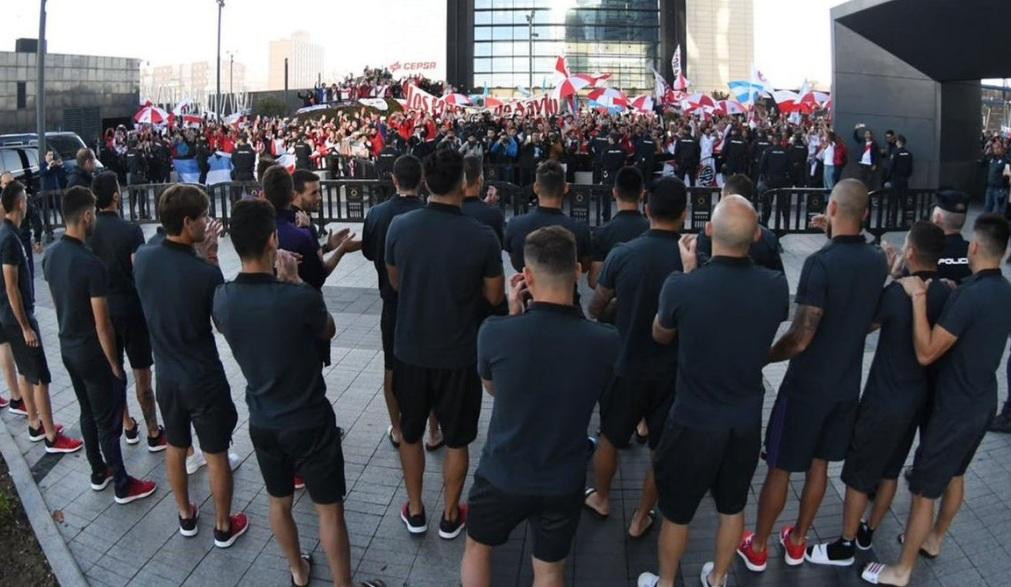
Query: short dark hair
x=178, y=202
x=252, y=223
x=928, y=241
x=84, y=155
x=991, y=232
x=443, y=171
x=278, y=187
x=14, y=191
x=105, y=185
x=901, y=139
x=473, y=167
x=407, y=171
x=75, y=202
x=551, y=249
x=302, y=177
x=262, y=166
x=667, y=199
x=739, y=185
x=551, y=179
x=628, y=183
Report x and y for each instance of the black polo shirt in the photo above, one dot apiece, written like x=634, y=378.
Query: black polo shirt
x=520, y=226
x=726, y=314
x=75, y=276
x=896, y=380
x=844, y=279
x=954, y=261
x=764, y=252
x=636, y=271
x=977, y=313
x=114, y=241
x=276, y=349
x=486, y=214
x=12, y=252
x=442, y=258
x=377, y=223
x=549, y=367
x=625, y=226
x=176, y=289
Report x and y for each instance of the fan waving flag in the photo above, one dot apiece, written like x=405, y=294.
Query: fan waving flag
x=609, y=97
x=681, y=82
x=748, y=92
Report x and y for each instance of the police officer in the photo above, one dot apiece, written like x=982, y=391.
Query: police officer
x=384, y=163
x=203, y=156
x=645, y=155
x=949, y=214
x=900, y=166
x=243, y=161
x=798, y=161
x=774, y=168
x=758, y=149
x=735, y=154
x=614, y=159
x=686, y=157
x=136, y=174
x=302, y=152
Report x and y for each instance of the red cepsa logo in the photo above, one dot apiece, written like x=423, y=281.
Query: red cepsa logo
x=412, y=66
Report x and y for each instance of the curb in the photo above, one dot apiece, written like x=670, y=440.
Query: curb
x=61, y=561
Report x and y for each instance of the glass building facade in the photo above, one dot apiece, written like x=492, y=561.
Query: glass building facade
x=620, y=37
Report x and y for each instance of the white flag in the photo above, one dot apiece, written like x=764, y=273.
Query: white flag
x=675, y=63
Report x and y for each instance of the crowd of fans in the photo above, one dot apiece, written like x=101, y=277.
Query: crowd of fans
x=372, y=83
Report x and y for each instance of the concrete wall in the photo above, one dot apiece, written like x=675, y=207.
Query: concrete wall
x=721, y=46
x=76, y=85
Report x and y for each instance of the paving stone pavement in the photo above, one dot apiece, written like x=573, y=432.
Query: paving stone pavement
x=139, y=544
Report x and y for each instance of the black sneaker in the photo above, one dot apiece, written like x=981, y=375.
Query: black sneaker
x=416, y=524
x=865, y=536
x=100, y=481
x=157, y=443
x=1000, y=423
x=37, y=434
x=839, y=553
x=450, y=530
x=188, y=526
x=17, y=406
x=132, y=435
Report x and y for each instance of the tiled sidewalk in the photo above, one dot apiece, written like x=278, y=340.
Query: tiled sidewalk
x=139, y=544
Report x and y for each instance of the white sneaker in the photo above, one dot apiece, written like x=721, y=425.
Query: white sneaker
x=234, y=461
x=648, y=580
x=704, y=575
x=195, y=461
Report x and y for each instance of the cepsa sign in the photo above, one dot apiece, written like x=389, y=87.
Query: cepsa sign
x=412, y=66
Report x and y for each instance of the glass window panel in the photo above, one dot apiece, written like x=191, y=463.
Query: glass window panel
x=482, y=33
x=482, y=49
x=482, y=17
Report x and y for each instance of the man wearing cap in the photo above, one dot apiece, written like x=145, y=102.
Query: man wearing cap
x=949, y=214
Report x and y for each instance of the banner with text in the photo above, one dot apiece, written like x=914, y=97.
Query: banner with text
x=420, y=100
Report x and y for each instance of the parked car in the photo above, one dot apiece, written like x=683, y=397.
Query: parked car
x=23, y=164
x=65, y=143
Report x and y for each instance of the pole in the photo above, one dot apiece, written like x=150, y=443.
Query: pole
x=530, y=52
x=217, y=99
x=231, y=64
x=40, y=83
x=286, y=77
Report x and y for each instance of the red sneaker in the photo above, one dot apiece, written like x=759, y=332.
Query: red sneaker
x=63, y=444
x=794, y=554
x=299, y=483
x=755, y=561
x=136, y=489
x=3, y=402
x=237, y=527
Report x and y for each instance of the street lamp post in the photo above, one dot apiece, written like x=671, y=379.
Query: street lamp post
x=40, y=83
x=530, y=50
x=217, y=100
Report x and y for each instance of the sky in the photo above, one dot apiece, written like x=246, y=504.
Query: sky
x=792, y=37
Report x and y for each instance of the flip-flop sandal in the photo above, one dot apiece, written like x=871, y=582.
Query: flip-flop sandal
x=389, y=435
x=902, y=540
x=308, y=559
x=640, y=438
x=872, y=574
x=437, y=445
x=590, y=491
x=373, y=583
x=649, y=526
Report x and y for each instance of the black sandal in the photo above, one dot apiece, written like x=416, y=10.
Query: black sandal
x=308, y=559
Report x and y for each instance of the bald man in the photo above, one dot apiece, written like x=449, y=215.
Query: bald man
x=729, y=309
x=812, y=420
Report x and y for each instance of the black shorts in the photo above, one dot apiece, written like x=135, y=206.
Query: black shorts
x=493, y=514
x=881, y=441
x=631, y=399
x=31, y=361
x=946, y=448
x=801, y=430
x=690, y=462
x=212, y=415
x=133, y=338
x=313, y=453
x=387, y=326
x=453, y=394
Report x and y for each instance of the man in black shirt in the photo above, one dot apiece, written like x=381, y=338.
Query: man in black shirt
x=114, y=241
x=967, y=343
x=895, y=396
x=17, y=316
x=626, y=225
x=726, y=313
x=540, y=362
x=686, y=156
x=291, y=422
x=644, y=375
x=812, y=420
x=949, y=213
x=444, y=266
x=77, y=281
x=175, y=282
x=407, y=176
x=243, y=160
x=765, y=251
x=484, y=210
